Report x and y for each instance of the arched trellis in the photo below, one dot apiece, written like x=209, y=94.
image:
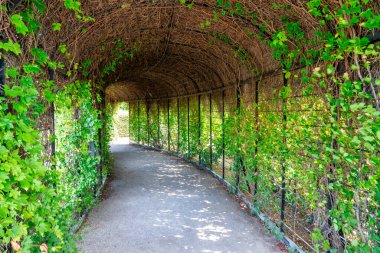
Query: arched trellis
x=177, y=25
x=176, y=51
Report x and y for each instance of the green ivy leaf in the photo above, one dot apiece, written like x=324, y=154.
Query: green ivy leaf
x=40, y=55
x=40, y=5
x=49, y=95
x=57, y=26
x=63, y=48
x=19, y=24
x=13, y=92
x=31, y=69
x=12, y=72
x=73, y=5
x=10, y=46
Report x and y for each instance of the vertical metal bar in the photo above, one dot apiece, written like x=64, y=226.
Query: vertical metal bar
x=102, y=134
x=223, y=137
x=52, y=106
x=169, y=124
x=257, y=134
x=158, y=131
x=283, y=184
x=332, y=196
x=52, y=130
x=178, y=126
x=238, y=155
x=211, y=131
x=188, y=127
x=199, y=130
x=2, y=73
x=138, y=122
x=129, y=120
x=147, y=120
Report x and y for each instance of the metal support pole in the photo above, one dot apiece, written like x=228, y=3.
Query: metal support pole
x=147, y=120
x=188, y=127
x=283, y=184
x=238, y=155
x=138, y=122
x=257, y=133
x=199, y=130
x=331, y=194
x=158, y=131
x=129, y=120
x=52, y=130
x=178, y=126
x=374, y=37
x=223, y=137
x=169, y=124
x=210, y=131
x=52, y=127
x=100, y=152
x=102, y=133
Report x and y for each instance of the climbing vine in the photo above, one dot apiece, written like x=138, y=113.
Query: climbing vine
x=77, y=134
x=305, y=153
x=54, y=138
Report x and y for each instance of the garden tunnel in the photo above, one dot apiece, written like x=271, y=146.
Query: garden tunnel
x=278, y=98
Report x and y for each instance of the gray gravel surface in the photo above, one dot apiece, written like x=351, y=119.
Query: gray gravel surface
x=159, y=203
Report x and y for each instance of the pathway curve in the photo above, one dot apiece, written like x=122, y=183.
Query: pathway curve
x=159, y=203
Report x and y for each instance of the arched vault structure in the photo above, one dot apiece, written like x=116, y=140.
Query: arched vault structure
x=202, y=79
x=179, y=49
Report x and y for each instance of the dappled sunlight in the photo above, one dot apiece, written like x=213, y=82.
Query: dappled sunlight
x=165, y=201
x=213, y=233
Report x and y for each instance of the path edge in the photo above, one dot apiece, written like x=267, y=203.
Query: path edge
x=82, y=218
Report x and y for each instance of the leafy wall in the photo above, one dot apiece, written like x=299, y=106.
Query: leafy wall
x=54, y=134
x=283, y=150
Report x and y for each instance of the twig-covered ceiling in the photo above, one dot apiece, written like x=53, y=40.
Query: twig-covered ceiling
x=179, y=50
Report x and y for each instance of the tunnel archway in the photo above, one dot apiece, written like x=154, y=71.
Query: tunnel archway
x=279, y=99
x=180, y=49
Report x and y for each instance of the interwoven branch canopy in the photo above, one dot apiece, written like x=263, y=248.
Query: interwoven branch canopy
x=175, y=55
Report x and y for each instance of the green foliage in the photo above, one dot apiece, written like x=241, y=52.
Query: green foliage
x=122, y=50
x=320, y=132
x=41, y=195
x=40, y=204
x=30, y=205
x=57, y=26
x=120, y=121
x=10, y=47
x=19, y=24
x=346, y=140
x=78, y=124
x=75, y=6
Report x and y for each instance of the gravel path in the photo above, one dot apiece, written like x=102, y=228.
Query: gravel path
x=158, y=203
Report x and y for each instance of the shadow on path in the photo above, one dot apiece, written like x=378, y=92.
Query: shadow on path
x=158, y=203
